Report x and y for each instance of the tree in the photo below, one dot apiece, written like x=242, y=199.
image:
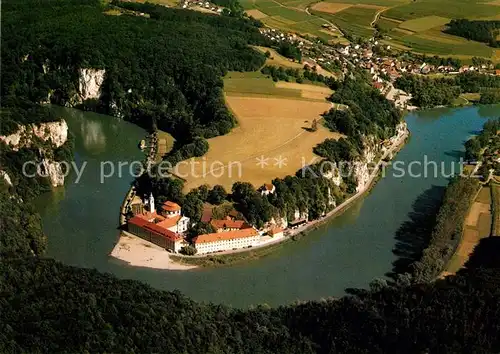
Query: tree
x=314, y=125
x=217, y=195
x=193, y=206
x=472, y=149
x=188, y=250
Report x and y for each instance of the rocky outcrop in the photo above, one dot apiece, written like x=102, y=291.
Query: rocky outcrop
x=53, y=135
x=90, y=82
x=364, y=166
x=5, y=177
x=54, y=172
x=54, y=132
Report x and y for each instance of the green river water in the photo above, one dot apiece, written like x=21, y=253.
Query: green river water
x=351, y=250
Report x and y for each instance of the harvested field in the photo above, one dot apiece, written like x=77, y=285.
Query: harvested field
x=476, y=210
x=273, y=128
x=256, y=14
x=330, y=7
x=305, y=87
x=477, y=226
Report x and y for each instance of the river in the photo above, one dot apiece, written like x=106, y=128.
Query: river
x=351, y=250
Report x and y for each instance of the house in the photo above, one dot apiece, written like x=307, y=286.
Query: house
x=267, y=189
x=228, y=225
x=297, y=223
x=151, y=232
x=162, y=229
x=223, y=241
x=378, y=85
x=170, y=209
x=276, y=232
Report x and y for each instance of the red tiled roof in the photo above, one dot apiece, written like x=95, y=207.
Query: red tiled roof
x=221, y=236
x=275, y=230
x=169, y=222
x=268, y=186
x=138, y=221
x=228, y=224
x=146, y=215
x=170, y=206
x=162, y=231
x=143, y=223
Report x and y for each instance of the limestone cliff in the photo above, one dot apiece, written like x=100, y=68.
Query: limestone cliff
x=5, y=177
x=44, y=137
x=373, y=150
x=55, y=133
x=90, y=82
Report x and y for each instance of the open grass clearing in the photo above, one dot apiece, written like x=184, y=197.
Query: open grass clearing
x=426, y=43
x=268, y=126
x=165, y=144
x=424, y=23
x=277, y=59
x=256, y=84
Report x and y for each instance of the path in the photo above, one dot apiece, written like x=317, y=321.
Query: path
x=377, y=15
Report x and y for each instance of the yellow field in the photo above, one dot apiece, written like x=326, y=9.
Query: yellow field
x=304, y=87
x=477, y=225
x=331, y=8
x=276, y=129
x=278, y=59
x=256, y=14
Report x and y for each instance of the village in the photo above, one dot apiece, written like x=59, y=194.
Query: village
x=384, y=64
x=165, y=226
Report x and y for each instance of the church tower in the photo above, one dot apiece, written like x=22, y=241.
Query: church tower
x=151, y=203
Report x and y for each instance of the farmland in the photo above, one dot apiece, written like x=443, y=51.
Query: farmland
x=412, y=25
x=290, y=16
x=274, y=121
x=477, y=226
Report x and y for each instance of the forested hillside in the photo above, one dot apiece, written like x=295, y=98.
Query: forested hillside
x=162, y=71
x=481, y=31
x=430, y=92
x=46, y=307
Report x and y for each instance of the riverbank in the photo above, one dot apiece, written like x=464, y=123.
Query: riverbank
x=241, y=255
x=138, y=252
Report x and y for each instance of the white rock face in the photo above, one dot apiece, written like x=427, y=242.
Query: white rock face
x=6, y=177
x=55, y=132
x=365, y=165
x=54, y=172
x=90, y=83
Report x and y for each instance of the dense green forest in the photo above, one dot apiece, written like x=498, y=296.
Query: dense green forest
x=164, y=71
x=481, y=31
x=290, y=75
x=47, y=307
x=430, y=92
x=447, y=232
